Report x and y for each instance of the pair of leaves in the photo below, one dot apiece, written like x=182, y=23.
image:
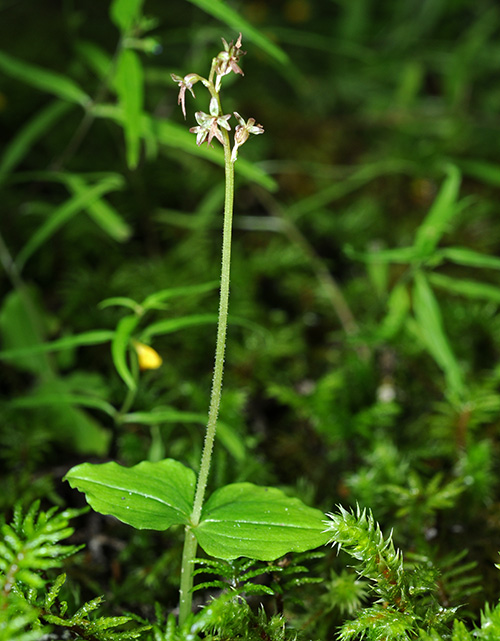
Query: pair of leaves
x=241, y=519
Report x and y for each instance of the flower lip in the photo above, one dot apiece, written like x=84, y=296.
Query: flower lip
x=208, y=126
x=185, y=83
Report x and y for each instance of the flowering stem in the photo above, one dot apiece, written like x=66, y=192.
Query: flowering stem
x=190, y=543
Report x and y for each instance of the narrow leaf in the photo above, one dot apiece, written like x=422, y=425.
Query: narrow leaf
x=95, y=337
x=430, y=323
x=398, y=307
x=175, y=324
x=49, y=81
x=152, y=301
x=468, y=257
x=147, y=496
x=399, y=255
x=440, y=214
x=51, y=399
x=64, y=213
x=468, y=288
x=487, y=172
x=257, y=522
x=234, y=19
x=27, y=136
x=129, y=84
x=119, y=349
x=103, y=214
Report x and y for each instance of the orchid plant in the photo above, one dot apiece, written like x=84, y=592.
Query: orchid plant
x=240, y=519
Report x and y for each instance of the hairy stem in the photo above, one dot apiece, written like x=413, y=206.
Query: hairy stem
x=190, y=543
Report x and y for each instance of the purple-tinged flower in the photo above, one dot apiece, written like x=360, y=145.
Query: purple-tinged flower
x=242, y=132
x=185, y=83
x=208, y=125
x=227, y=60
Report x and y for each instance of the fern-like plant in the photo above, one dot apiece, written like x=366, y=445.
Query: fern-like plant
x=29, y=602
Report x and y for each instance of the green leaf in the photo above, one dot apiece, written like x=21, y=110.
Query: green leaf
x=431, y=329
x=53, y=398
x=121, y=301
x=95, y=57
x=125, y=12
x=468, y=257
x=233, y=19
x=129, y=85
x=23, y=325
x=468, y=288
x=403, y=255
x=101, y=211
x=27, y=136
x=119, y=349
x=67, y=423
x=95, y=337
x=175, y=324
x=49, y=81
x=154, y=300
x=257, y=522
x=398, y=307
x=440, y=214
x=487, y=172
x=147, y=496
x=65, y=212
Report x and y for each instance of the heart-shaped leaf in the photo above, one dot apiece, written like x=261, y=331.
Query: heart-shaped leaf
x=147, y=496
x=257, y=522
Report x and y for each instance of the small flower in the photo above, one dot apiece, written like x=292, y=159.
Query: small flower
x=148, y=357
x=208, y=124
x=227, y=60
x=242, y=132
x=185, y=83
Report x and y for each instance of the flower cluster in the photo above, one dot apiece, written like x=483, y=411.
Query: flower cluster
x=227, y=60
x=209, y=124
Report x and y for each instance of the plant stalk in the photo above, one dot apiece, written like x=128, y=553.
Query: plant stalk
x=190, y=543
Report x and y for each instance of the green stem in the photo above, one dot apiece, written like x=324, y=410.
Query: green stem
x=190, y=543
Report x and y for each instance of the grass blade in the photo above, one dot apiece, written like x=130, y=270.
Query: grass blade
x=49, y=81
x=65, y=212
x=431, y=329
x=119, y=349
x=440, y=214
x=233, y=19
x=103, y=214
x=27, y=136
x=129, y=85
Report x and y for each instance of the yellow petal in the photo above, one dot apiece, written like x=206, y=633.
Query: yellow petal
x=148, y=357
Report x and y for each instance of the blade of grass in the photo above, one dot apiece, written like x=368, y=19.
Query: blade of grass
x=129, y=85
x=27, y=136
x=440, y=214
x=431, y=327
x=233, y=19
x=49, y=81
x=65, y=212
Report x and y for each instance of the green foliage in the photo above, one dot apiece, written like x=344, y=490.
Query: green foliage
x=240, y=519
x=246, y=577
x=407, y=600
x=30, y=603
x=363, y=347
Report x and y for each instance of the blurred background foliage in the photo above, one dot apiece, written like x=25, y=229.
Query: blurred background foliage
x=352, y=376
